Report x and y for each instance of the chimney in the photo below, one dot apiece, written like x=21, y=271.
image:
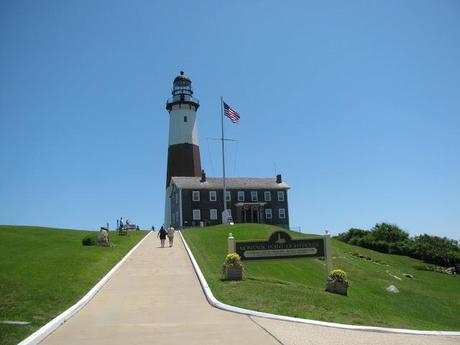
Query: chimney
x=278, y=178
x=203, y=176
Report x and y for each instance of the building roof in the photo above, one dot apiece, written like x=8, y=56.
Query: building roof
x=230, y=183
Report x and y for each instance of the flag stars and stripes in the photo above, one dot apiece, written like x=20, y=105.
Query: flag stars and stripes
x=231, y=113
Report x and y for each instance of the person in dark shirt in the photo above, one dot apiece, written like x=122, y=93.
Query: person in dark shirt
x=162, y=234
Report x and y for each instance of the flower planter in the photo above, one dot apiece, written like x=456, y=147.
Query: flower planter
x=232, y=273
x=338, y=287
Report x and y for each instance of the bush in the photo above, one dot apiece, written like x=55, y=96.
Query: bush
x=89, y=240
x=389, y=233
x=338, y=275
x=388, y=238
x=351, y=234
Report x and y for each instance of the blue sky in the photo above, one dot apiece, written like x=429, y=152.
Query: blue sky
x=356, y=103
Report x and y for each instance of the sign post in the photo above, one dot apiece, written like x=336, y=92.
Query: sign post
x=328, y=251
x=231, y=243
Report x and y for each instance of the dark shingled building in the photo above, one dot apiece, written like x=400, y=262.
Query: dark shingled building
x=198, y=201
x=194, y=200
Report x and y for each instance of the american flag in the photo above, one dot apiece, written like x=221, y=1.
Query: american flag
x=231, y=113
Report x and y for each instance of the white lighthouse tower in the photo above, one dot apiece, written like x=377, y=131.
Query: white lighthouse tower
x=183, y=151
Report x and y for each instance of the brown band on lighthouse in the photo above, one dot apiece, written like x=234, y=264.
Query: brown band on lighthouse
x=183, y=160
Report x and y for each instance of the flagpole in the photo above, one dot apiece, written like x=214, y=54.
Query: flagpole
x=223, y=159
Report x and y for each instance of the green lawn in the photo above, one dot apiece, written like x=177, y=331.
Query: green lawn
x=295, y=287
x=44, y=271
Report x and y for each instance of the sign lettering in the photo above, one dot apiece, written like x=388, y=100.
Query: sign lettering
x=280, y=245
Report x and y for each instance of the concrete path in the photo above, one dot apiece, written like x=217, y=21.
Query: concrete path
x=155, y=298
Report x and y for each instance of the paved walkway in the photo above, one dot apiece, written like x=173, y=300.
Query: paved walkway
x=155, y=298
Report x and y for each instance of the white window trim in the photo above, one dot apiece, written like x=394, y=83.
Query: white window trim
x=268, y=213
x=194, y=193
x=252, y=196
x=196, y=212
x=213, y=211
x=269, y=194
x=212, y=195
x=280, y=193
x=282, y=213
x=229, y=195
x=240, y=195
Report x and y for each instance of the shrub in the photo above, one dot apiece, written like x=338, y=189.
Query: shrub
x=89, y=240
x=389, y=233
x=388, y=238
x=338, y=275
x=351, y=234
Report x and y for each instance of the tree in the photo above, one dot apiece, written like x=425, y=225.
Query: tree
x=389, y=233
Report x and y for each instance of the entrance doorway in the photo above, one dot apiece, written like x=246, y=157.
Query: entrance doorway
x=250, y=212
x=255, y=216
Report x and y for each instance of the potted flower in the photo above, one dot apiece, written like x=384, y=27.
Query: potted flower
x=232, y=268
x=337, y=282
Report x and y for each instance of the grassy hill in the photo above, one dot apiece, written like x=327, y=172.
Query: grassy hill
x=295, y=287
x=44, y=271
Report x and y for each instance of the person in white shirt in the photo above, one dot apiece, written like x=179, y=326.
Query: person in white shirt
x=171, y=235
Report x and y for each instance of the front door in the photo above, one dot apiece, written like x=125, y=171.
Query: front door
x=247, y=216
x=255, y=215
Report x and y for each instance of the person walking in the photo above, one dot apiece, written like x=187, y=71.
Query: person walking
x=162, y=235
x=171, y=235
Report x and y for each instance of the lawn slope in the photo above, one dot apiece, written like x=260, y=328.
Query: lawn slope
x=295, y=287
x=44, y=271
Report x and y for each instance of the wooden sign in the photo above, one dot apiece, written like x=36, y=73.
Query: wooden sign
x=281, y=245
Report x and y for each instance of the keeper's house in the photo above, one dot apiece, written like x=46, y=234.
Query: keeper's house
x=197, y=201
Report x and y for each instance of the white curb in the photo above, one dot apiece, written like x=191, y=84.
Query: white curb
x=51, y=326
x=214, y=302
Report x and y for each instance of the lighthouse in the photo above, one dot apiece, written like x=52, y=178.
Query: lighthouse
x=183, y=150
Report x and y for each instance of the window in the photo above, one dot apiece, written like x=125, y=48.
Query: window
x=213, y=214
x=268, y=196
x=282, y=213
x=268, y=213
x=240, y=196
x=212, y=195
x=196, y=214
x=281, y=196
x=196, y=195
x=185, y=118
x=253, y=196
x=227, y=196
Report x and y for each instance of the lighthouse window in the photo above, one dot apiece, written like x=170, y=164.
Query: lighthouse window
x=196, y=195
x=185, y=118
